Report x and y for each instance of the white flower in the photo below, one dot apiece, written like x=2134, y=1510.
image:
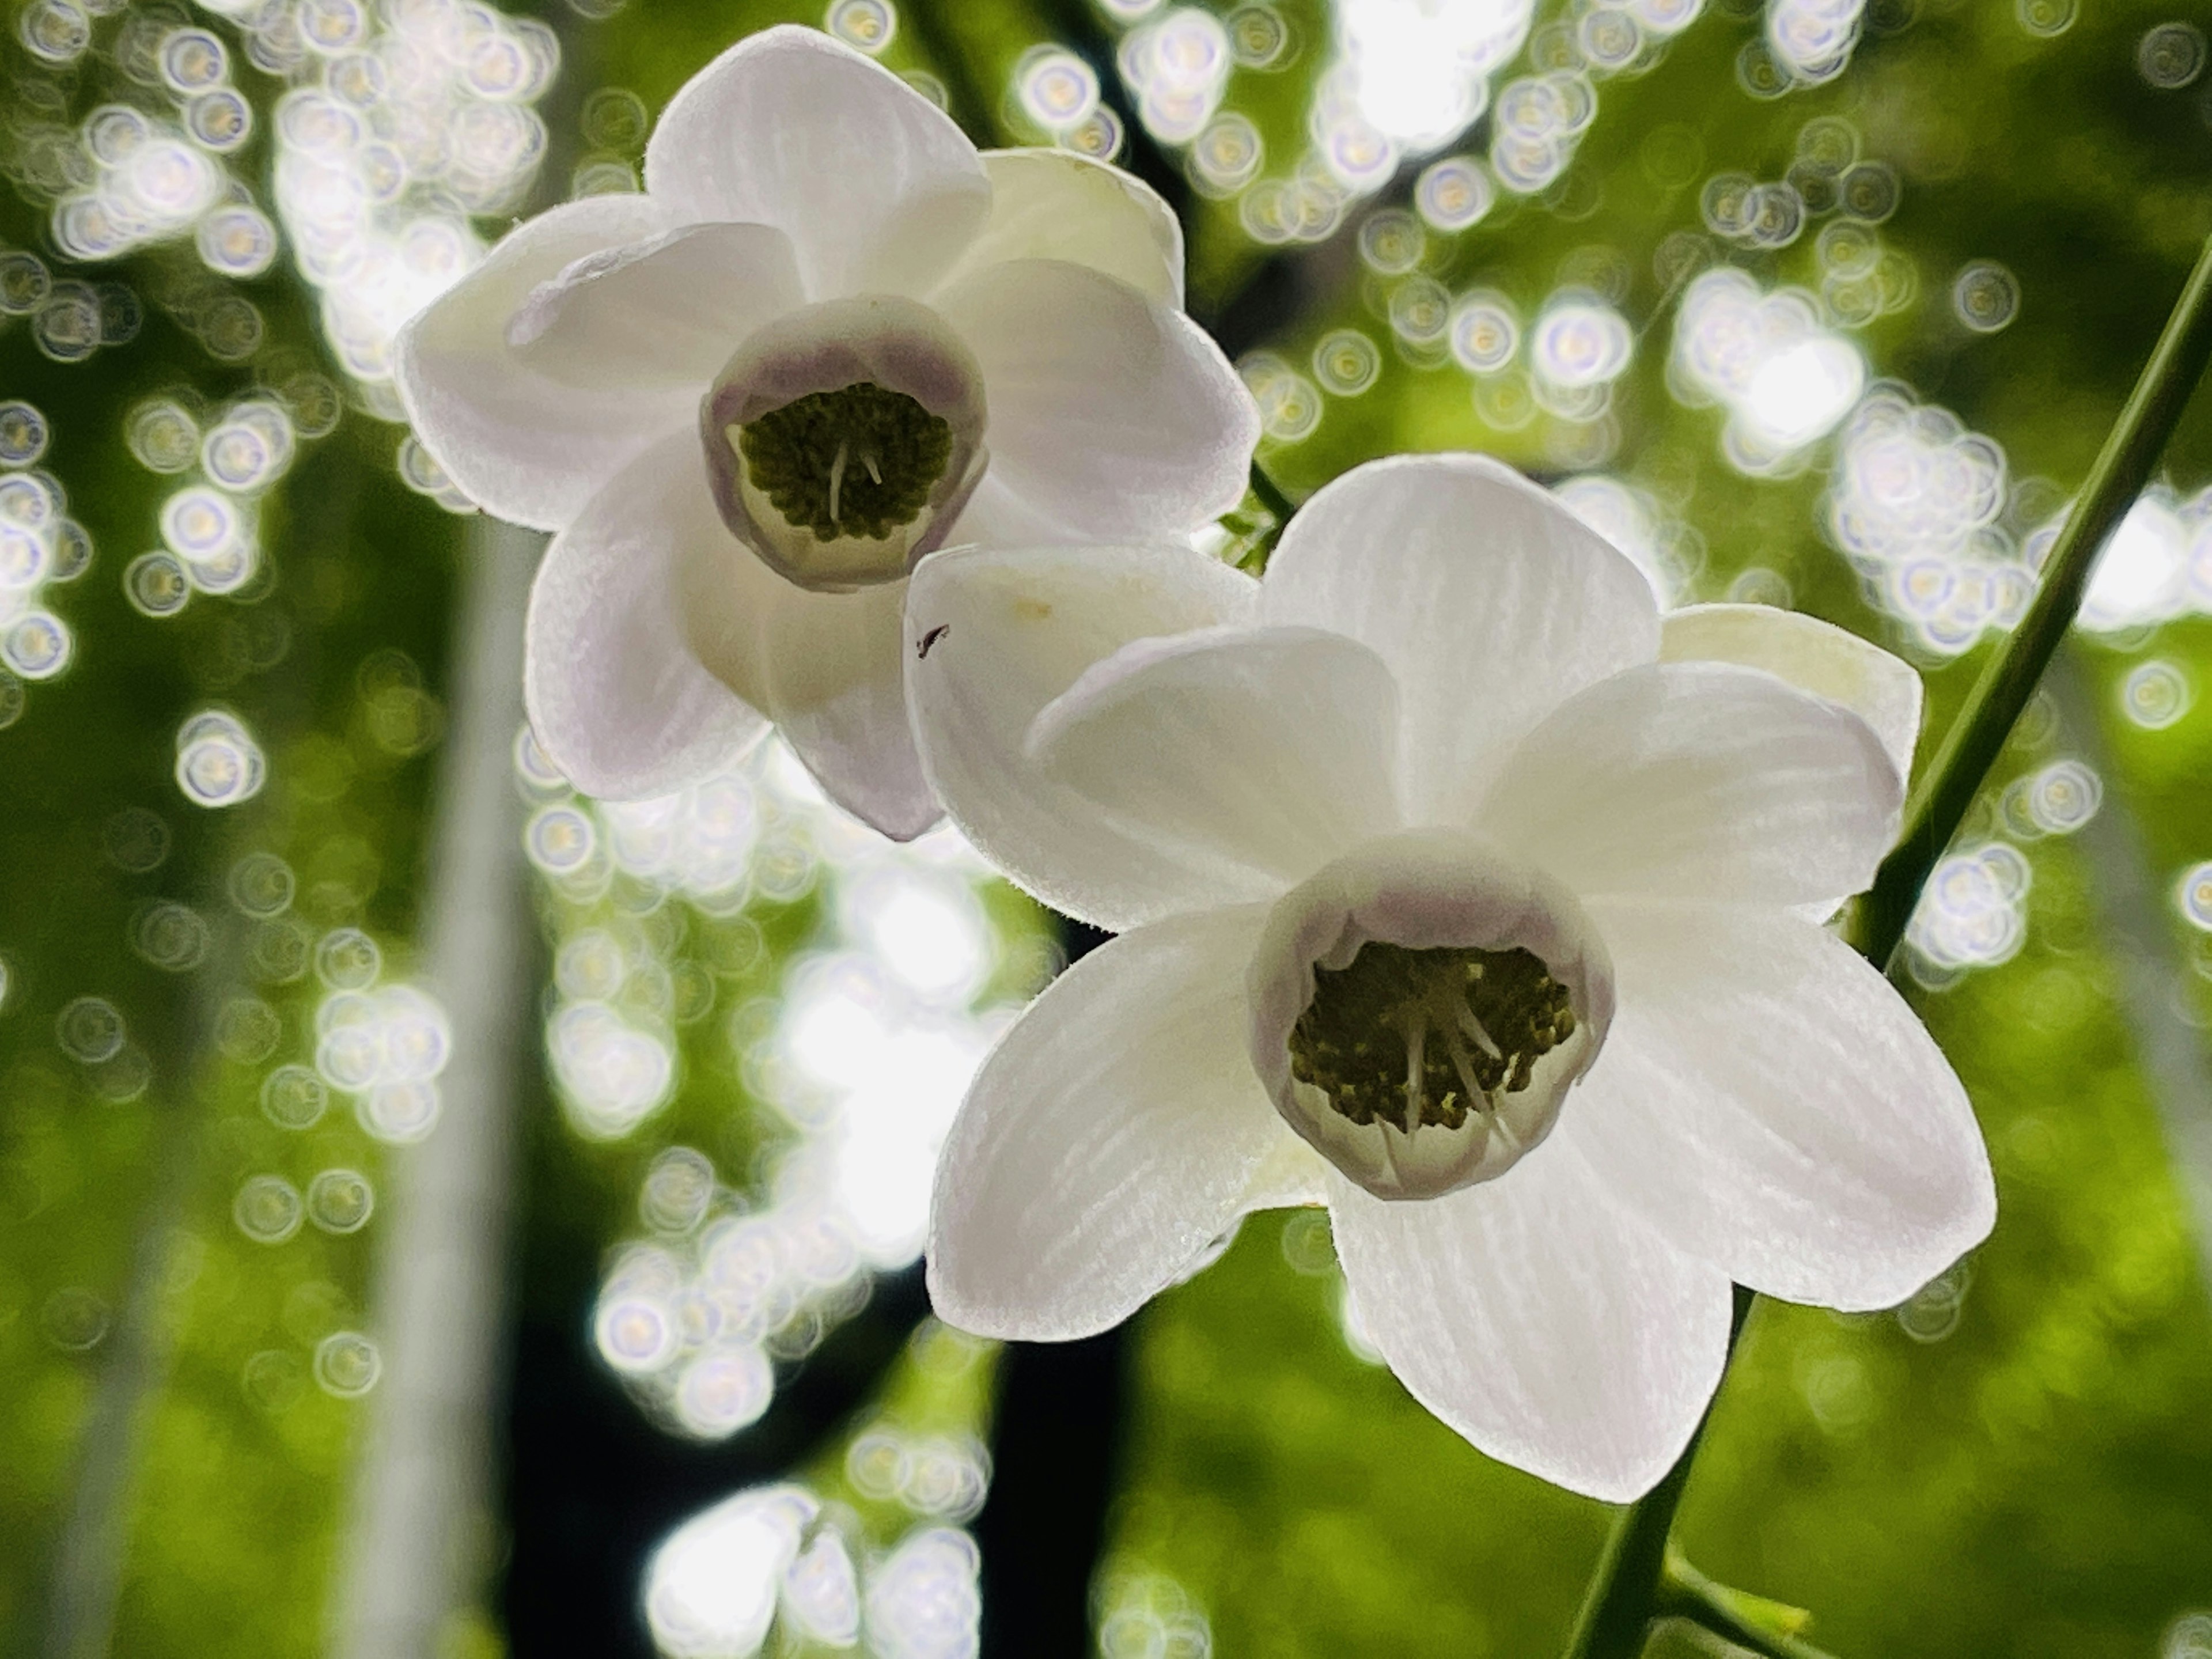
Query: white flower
x=828, y=338
x=1443, y=785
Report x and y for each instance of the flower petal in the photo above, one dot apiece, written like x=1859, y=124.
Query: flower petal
x=667, y=311
x=837, y=689
x=1056, y=204
x=1491, y=601
x=523, y=444
x=992, y=637
x=824, y=666
x=1112, y=415
x=1249, y=757
x=1542, y=1319
x=1768, y=1102
x=1832, y=662
x=1700, y=780
x=616, y=694
x=1114, y=1133
x=878, y=189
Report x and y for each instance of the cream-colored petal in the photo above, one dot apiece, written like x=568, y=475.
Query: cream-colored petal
x=1883, y=690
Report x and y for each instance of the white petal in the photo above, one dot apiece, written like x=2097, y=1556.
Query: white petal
x=1769, y=1102
x=1056, y=204
x=1250, y=757
x=996, y=517
x=1114, y=1133
x=522, y=443
x=1700, y=780
x=824, y=666
x=667, y=311
x=1542, y=1320
x=1113, y=415
x=1832, y=662
x=994, y=637
x=616, y=694
x=1492, y=603
x=878, y=189
x=838, y=692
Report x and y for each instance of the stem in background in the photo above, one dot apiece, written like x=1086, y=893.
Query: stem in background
x=1971, y=746
x=2141, y=935
x=1626, y=1592
x=440, y=1287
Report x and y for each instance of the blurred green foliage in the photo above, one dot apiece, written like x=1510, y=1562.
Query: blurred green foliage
x=2021, y=1471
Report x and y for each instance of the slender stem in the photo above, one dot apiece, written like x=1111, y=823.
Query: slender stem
x=1271, y=496
x=1279, y=507
x=1686, y=1592
x=1627, y=1594
x=1971, y=746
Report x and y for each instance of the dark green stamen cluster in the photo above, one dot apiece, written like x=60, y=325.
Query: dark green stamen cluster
x=858, y=461
x=1411, y=1037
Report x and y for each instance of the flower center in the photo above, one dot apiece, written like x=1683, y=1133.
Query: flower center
x=858, y=461
x=1409, y=1037
x=844, y=440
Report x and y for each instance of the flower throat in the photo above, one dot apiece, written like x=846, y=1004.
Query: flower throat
x=859, y=460
x=1410, y=1037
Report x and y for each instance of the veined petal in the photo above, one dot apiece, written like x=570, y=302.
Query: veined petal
x=616, y=694
x=1250, y=757
x=837, y=689
x=1056, y=204
x=1542, y=1319
x=1700, y=780
x=667, y=311
x=525, y=445
x=1491, y=601
x=1113, y=415
x=1114, y=1133
x=877, y=187
x=1883, y=690
x=992, y=637
x=1769, y=1102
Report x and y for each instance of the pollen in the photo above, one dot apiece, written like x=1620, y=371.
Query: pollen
x=1412, y=1037
x=857, y=461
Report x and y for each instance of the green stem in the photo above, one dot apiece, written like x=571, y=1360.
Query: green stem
x=1686, y=1592
x=1971, y=746
x=1627, y=1591
x=1279, y=507
x=1271, y=496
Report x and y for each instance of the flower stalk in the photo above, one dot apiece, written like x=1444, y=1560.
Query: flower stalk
x=1972, y=744
x=1635, y=1581
x=1751, y=1622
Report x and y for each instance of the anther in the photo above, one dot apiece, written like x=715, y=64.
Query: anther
x=1459, y=1028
